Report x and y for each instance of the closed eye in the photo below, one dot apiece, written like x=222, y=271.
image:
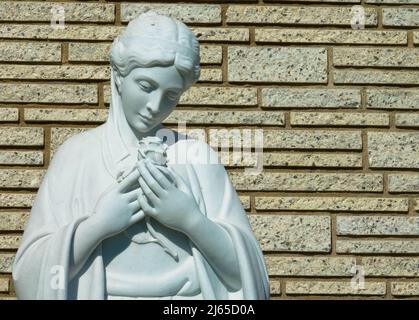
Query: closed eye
x=145, y=86
x=173, y=95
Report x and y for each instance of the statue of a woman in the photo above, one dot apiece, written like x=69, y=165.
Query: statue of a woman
x=122, y=214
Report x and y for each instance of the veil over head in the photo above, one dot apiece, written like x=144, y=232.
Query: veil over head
x=151, y=40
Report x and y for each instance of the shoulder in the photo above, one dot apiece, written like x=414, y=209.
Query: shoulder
x=70, y=159
x=77, y=148
x=80, y=143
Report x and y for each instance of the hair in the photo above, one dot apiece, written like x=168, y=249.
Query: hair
x=155, y=40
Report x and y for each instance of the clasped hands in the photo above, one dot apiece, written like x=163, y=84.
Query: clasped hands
x=148, y=190
x=161, y=198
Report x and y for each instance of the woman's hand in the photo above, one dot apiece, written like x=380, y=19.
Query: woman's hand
x=118, y=207
x=164, y=201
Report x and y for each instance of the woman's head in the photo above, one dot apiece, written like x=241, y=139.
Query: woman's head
x=155, y=40
x=154, y=61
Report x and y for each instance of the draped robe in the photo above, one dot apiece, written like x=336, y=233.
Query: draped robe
x=81, y=169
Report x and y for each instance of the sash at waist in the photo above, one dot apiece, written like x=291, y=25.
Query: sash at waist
x=195, y=297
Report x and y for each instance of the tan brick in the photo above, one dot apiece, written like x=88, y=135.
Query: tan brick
x=20, y=200
x=11, y=157
x=313, y=139
x=48, y=93
x=272, y=64
x=326, y=182
x=9, y=241
x=43, y=11
x=4, y=284
x=86, y=52
x=309, y=1
x=339, y=119
x=416, y=38
x=393, y=1
x=231, y=96
x=310, y=266
x=337, y=204
x=13, y=221
x=403, y=183
x=70, y=32
x=377, y=246
x=227, y=117
x=391, y=266
x=219, y=34
x=20, y=178
x=377, y=225
x=393, y=150
x=12, y=51
x=9, y=114
x=401, y=17
x=21, y=136
x=310, y=160
x=59, y=135
x=405, y=288
x=407, y=120
x=187, y=13
x=296, y=15
x=64, y=115
x=376, y=77
x=294, y=159
x=310, y=98
x=334, y=288
x=245, y=201
x=392, y=99
x=373, y=37
x=211, y=75
x=376, y=57
x=46, y=72
x=6, y=262
x=275, y=286
x=291, y=159
x=294, y=139
x=211, y=54
x=292, y=233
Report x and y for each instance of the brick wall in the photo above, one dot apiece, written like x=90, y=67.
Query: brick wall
x=339, y=109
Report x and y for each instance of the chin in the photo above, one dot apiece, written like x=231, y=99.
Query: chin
x=141, y=127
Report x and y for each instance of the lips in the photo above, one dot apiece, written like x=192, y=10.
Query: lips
x=145, y=118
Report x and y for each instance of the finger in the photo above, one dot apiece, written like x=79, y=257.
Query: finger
x=149, y=179
x=169, y=175
x=144, y=205
x=149, y=194
x=136, y=217
x=129, y=181
x=179, y=180
x=132, y=195
x=170, y=171
x=134, y=206
x=158, y=176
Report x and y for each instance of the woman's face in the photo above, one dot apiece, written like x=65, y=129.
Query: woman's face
x=149, y=95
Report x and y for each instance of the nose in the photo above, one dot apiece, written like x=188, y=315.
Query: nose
x=153, y=105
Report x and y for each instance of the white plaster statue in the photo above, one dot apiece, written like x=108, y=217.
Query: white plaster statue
x=122, y=214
